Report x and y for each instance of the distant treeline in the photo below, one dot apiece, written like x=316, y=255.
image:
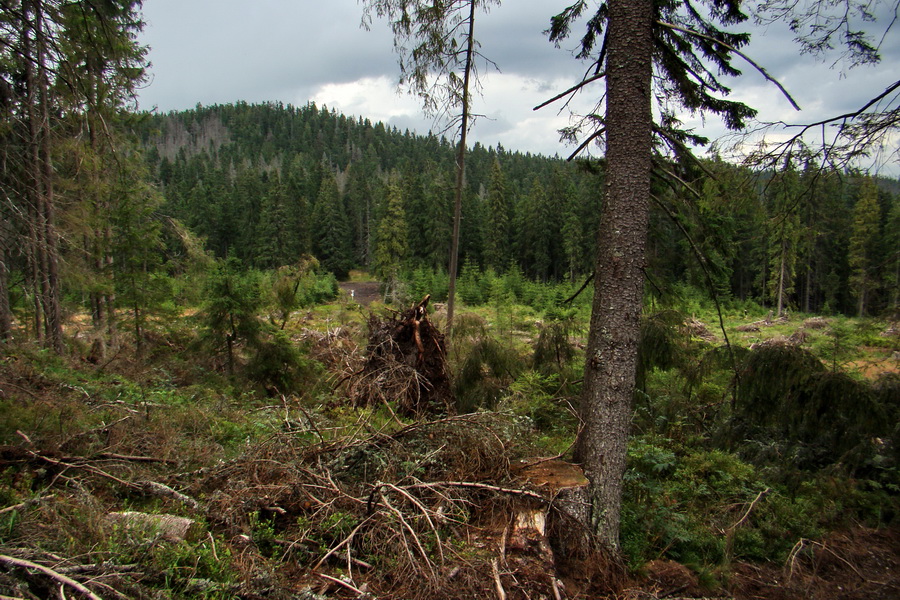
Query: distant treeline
x=269, y=183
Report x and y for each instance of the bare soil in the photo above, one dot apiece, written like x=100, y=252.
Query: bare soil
x=861, y=564
x=877, y=363
x=362, y=292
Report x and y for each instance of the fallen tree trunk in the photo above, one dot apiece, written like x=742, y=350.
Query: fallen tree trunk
x=168, y=527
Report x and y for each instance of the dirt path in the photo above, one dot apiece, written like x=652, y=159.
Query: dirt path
x=362, y=292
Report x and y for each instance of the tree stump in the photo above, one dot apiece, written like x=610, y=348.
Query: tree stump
x=566, y=519
x=406, y=363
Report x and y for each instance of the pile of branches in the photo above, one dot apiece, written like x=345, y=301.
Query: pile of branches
x=406, y=363
x=421, y=512
x=425, y=510
x=389, y=510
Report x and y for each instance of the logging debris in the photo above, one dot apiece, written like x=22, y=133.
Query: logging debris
x=406, y=363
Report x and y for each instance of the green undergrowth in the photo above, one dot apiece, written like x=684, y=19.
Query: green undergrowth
x=736, y=454
x=708, y=508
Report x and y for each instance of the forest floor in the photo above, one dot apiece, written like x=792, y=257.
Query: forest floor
x=283, y=488
x=858, y=564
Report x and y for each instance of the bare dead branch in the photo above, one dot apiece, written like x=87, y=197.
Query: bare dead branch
x=27, y=504
x=571, y=90
x=58, y=577
x=498, y=585
x=594, y=135
x=342, y=583
x=481, y=486
x=746, y=514
x=164, y=491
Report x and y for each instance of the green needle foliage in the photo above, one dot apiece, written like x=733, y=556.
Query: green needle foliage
x=229, y=316
x=392, y=242
x=790, y=405
x=864, y=244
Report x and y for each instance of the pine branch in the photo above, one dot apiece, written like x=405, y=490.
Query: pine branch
x=731, y=48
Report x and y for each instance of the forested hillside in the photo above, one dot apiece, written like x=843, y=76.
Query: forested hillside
x=269, y=183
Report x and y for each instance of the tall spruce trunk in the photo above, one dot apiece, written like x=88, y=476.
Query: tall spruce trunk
x=103, y=236
x=45, y=263
x=33, y=173
x=52, y=305
x=52, y=309
x=618, y=291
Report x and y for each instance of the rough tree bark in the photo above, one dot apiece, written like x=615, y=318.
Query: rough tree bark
x=619, y=285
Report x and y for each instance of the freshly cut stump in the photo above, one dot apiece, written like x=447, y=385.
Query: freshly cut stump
x=564, y=522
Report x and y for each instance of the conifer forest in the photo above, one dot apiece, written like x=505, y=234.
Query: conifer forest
x=230, y=365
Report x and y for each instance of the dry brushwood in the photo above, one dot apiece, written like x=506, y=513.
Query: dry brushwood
x=699, y=329
x=816, y=323
x=58, y=577
x=407, y=363
x=336, y=348
x=416, y=494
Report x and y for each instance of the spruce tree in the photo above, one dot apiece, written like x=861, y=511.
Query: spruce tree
x=230, y=313
x=498, y=241
x=892, y=266
x=438, y=53
x=277, y=243
x=785, y=236
x=331, y=229
x=438, y=222
x=391, y=247
x=864, y=245
x=68, y=70
x=141, y=283
x=537, y=232
x=690, y=52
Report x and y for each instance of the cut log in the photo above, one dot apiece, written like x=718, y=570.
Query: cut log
x=168, y=527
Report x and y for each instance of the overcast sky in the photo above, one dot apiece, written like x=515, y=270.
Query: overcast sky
x=296, y=51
